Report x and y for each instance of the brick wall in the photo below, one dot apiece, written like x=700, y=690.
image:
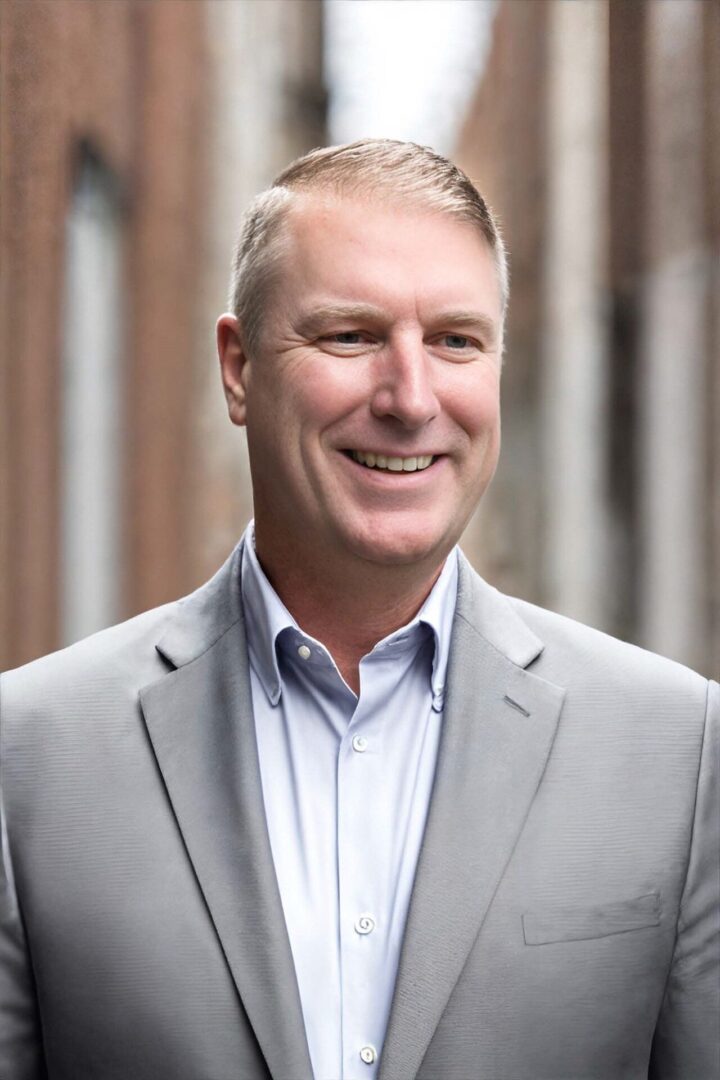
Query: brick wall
x=113, y=77
x=642, y=439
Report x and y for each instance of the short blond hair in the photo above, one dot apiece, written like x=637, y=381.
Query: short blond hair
x=378, y=170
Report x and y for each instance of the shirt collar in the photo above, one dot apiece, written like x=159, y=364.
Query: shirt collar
x=438, y=612
x=267, y=617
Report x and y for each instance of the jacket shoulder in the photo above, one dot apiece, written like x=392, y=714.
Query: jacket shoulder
x=100, y=676
x=575, y=653
x=124, y=652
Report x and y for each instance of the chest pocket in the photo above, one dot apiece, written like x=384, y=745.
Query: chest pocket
x=546, y=925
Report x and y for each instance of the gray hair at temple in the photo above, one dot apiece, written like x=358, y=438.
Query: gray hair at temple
x=379, y=170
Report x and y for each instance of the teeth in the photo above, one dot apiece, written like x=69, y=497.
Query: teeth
x=393, y=464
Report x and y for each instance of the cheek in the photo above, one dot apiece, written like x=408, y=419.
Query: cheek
x=285, y=400
x=326, y=394
x=297, y=414
x=476, y=408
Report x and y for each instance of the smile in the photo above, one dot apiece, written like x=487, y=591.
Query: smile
x=392, y=464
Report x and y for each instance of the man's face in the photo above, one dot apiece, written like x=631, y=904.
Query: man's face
x=381, y=343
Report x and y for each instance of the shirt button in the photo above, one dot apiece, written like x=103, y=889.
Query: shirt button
x=304, y=652
x=364, y=924
x=359, y=743
x=368, y=1055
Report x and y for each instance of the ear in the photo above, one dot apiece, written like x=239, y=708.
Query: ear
x=233, y=366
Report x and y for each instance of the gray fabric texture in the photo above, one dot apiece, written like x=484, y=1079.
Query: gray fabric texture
x=564, y=920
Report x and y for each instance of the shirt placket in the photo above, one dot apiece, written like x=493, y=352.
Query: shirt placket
x=360, y=870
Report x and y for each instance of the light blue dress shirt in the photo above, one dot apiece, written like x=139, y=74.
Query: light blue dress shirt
x=346, y=783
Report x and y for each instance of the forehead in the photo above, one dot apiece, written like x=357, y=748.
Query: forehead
x=310, y=215
x=349, y=247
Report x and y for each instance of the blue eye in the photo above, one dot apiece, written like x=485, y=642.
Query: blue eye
x=347, y=337
x=457, y=341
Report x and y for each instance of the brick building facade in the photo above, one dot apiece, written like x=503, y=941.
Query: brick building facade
x=120, y=198
x=595, y=133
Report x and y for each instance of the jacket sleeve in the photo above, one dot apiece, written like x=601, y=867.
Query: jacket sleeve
x=21, y=1055
x=687, y=1036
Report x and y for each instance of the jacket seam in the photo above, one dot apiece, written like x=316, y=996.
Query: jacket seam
x=691, y=840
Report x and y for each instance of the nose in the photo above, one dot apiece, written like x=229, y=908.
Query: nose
x=403, y=387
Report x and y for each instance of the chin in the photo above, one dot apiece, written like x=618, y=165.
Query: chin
x=400, y=547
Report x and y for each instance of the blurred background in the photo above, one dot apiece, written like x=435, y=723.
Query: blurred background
x=132, y=135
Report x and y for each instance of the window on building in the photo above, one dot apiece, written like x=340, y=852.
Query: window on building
x=91, y=452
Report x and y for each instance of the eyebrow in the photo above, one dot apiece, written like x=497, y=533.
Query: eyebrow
x=469, y=320
x=319, y=318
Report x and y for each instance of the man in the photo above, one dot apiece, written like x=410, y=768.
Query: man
x=346, y=811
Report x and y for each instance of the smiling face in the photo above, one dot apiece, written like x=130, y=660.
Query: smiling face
x=372, y=404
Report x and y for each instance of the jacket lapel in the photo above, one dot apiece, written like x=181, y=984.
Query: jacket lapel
x=200, y=722
x=498, y=728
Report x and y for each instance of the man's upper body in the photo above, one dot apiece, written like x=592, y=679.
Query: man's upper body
x=346, y=811
x=564, y=906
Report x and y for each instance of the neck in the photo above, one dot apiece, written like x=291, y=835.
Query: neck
x=349, y=608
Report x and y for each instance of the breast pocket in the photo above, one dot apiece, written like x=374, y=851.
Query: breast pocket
x=546, y=925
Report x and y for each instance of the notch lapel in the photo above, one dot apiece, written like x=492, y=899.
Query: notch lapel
x=200, y=722
x=498, y=728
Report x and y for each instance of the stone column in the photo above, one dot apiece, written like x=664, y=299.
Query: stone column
x=674, y=345
x=575, y=335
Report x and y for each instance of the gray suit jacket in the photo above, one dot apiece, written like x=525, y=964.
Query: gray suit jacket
x=564, y=919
